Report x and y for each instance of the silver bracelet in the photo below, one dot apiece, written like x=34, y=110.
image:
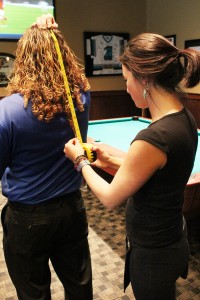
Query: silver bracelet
x=82, y=164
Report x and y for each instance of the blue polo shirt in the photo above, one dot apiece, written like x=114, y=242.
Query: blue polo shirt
x=33, y=167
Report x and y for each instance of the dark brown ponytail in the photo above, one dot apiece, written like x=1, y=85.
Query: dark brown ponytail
x=152, y=56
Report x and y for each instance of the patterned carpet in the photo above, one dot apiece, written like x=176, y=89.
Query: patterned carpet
x=107, y=244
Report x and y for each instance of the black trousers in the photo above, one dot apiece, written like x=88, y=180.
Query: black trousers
x=55, y=230
x=153, y=272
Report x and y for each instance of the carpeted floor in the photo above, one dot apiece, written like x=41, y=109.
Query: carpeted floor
x=107, y=244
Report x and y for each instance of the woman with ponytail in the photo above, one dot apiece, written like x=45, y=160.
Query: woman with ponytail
x=157, y=167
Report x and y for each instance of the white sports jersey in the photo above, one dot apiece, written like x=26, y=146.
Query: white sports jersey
x=104, y=49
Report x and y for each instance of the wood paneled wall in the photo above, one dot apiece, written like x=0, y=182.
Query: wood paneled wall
x=192, y=102
x=114, y=104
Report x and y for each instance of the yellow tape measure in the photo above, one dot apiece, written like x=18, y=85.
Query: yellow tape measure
x=86, y=146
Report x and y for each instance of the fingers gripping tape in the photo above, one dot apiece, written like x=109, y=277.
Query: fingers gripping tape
x=91, y=155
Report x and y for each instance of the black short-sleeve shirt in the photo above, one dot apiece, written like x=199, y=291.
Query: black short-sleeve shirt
x=154, y=214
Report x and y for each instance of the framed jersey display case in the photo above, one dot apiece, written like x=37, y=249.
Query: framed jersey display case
x=101, y=51
x=172, y=38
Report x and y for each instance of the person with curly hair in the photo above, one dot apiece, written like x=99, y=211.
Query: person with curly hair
x=44, y=218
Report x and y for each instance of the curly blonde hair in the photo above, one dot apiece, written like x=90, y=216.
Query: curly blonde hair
x=38, y=78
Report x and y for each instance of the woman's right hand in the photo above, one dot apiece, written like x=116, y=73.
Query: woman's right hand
x=45, y=21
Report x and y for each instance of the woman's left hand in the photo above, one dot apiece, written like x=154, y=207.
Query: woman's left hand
x=73, y=148
x=45, y=21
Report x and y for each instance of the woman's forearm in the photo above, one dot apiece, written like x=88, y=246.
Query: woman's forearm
x=99, y=187
x=115, y=162
x=112, y=162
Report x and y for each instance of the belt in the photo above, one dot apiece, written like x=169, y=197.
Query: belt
x=45, y=203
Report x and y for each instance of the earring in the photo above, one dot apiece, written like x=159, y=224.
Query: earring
x=145, y=91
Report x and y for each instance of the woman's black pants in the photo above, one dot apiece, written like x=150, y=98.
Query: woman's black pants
x=153, y=272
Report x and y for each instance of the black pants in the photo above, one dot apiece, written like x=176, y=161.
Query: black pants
x=57, y=230
x=153, y=272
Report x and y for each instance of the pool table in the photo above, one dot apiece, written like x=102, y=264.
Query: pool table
x=115, y=136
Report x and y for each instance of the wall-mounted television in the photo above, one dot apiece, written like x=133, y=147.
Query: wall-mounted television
x=17, y=15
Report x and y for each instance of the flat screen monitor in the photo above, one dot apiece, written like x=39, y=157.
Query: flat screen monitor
x=17, y=15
